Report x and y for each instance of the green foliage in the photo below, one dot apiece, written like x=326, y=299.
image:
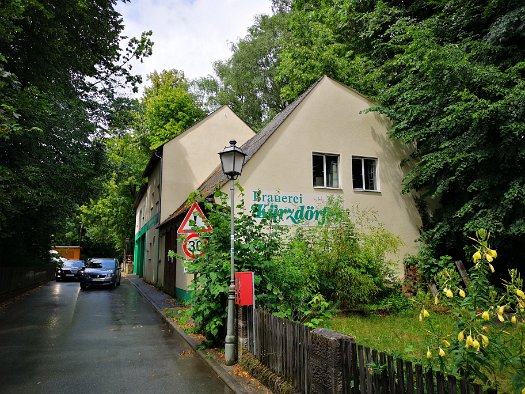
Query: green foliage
x=168, y=108
x=427, y=265
x=451, y=77
x=352, y=259
x=300, y=276
x=60, y=69
x=246, y=82
x=488, y=339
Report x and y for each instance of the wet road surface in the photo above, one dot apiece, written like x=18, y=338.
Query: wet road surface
x=59, y=339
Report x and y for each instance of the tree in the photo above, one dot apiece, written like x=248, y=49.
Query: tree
x=451, y=76
x=60, y=67
x=247, y=80
x=168, y=108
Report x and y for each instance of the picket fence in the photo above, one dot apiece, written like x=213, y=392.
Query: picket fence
x=285, y=348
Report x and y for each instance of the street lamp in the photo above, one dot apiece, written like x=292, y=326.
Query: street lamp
x=232, y=160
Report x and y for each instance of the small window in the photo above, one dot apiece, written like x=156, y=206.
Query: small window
x=364, y=173
x=325, y=170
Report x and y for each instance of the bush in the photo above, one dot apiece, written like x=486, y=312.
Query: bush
x=489, y=338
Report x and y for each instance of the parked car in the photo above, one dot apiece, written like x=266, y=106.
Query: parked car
x=69, y=269
x=101, y=272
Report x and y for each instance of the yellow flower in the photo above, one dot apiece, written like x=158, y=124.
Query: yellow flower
x=523, y=390
x=448, y=292
x=491, y=268
x=425, y=313
x=476, y=256
x=461, y=336
x=441, y=353
x=462, y=293
x=469, y=342
x=484, y=340
x=514, y=320
x=446, y=343
x=501, y=310
x=492, y=253
x=485, y=315
x=429, y=354
x=520, y=293
x=489, y=258
x=501, y=318
x=436, y=300
x=475, y=344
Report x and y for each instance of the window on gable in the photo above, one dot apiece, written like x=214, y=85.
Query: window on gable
x=325, y=169
x=364, y=173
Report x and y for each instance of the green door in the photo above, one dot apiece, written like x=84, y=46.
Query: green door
x=139, y=255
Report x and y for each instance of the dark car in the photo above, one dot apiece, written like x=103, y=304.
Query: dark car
x=101, y=272
x=69, y=269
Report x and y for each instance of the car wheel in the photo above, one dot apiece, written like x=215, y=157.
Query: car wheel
x=83, y=286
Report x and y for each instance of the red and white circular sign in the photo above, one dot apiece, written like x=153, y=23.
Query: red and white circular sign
x=192, y=246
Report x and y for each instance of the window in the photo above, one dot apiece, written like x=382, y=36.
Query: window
x=325, y=170
x=364, y=173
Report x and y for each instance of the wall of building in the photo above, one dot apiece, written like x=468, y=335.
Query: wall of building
x=190, y=157
x=330, y=121
x=147, y=216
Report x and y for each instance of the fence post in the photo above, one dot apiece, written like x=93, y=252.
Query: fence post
x=327, y=353
x=242, y=329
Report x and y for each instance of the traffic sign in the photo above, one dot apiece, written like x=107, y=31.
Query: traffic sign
x=192, y=246
x=194, y=218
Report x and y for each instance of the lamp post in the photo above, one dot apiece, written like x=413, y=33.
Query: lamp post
x=232, y=160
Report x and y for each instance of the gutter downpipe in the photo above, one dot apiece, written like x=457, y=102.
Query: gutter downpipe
x=160, y=210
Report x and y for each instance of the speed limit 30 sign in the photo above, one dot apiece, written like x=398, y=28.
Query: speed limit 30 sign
x=192, y=246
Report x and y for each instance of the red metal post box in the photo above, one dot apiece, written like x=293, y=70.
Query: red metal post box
x=244, y=290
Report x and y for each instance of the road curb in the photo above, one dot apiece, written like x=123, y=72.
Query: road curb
x=221, y=370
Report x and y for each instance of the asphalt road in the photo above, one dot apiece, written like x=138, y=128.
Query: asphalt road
x=59, y=339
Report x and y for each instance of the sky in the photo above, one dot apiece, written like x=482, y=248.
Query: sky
x=189, y=35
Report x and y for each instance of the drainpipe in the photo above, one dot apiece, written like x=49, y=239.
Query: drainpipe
x=160, y=210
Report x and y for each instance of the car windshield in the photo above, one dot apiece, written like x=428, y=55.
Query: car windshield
x=102, y=263
x=73, y=263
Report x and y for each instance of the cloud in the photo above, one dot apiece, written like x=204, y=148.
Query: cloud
x=189, y=35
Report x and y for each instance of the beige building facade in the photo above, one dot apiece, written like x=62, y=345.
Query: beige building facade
x=323, y=144
x=175, y=170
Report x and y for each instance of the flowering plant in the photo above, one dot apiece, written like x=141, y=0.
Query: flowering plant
x=489, y=336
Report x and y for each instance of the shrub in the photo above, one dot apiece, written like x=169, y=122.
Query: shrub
x=489, y=338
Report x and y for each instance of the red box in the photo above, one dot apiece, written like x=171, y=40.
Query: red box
x=244, y=290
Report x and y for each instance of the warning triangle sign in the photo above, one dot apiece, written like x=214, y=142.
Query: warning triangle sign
x=194, y=218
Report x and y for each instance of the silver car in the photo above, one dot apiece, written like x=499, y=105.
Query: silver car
x=101, y=272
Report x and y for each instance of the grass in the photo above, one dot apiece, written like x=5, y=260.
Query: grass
x=401, y=335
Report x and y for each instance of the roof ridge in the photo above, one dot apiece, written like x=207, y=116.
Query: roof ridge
x=250, y=147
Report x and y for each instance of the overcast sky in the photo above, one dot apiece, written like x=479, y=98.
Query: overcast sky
x=189, y=35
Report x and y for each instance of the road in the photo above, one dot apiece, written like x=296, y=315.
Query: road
x=59, y=339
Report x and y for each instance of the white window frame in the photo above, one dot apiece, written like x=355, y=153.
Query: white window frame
x=376, y=174
x=324, y=155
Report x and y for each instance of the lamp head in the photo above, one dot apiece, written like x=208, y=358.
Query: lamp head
x=232, y=160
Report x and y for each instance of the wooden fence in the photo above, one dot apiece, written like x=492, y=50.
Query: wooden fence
x=285, y=347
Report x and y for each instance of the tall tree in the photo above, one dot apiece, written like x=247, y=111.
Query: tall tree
x=60, y=67
x=247, y=80
x=168, y=108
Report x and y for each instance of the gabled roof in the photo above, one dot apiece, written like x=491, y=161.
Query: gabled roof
x=217, y=178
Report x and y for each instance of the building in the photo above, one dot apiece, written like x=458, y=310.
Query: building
x=175, y=170
x=324, y=143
